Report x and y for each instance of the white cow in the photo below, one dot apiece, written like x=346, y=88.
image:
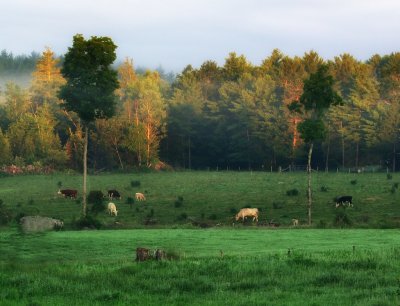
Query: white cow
x=247, y=212
x=112, y=209
x=140, y=196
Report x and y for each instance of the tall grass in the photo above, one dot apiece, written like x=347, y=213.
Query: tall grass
x=98, y=268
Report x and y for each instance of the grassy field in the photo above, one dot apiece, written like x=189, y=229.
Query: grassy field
x=98, y=267
x=212, y=198
x=221, y=265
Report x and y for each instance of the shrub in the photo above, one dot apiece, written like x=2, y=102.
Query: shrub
x=324, y=189
x=151, y=213
x=31, y=202
x=179, y=202
x=59, y=184
x=213, y=217
x=393, y=189
x=88, y=222
x=233, y=210
x=389, y=176
x=135, y=183
x=182, y=216
x=95, y=197
x=130, y=201
x=353, y=182
x=292, y=192
x=321, y=224
x=396, y=185
x=277, y=205
x=341, y=219
x=5, y=215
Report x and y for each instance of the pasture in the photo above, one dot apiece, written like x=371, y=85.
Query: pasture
x=220, y=265
x=187, y=199
x=255, y=268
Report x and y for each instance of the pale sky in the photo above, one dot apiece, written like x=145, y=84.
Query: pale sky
x=175, y=33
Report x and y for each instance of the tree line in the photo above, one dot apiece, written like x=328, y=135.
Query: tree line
x=232, y=116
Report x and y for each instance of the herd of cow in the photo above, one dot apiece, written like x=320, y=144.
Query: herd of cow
x=242, y=214
x=111, y=194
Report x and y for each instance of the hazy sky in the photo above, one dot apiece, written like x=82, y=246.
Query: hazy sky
x=174, y=33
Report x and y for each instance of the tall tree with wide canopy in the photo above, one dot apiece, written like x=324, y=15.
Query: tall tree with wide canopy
x=90, y=86
x=318, y=95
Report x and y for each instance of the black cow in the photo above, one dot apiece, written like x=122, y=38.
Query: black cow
x=68, y=193
x=343, y=200
x=113, y=194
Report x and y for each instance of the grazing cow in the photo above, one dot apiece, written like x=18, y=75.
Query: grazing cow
x=112, y=209
x=343, y=200
x=113, y=194
x=247, y=212
x=140, y=196
x=68, y=193
x=295, y=222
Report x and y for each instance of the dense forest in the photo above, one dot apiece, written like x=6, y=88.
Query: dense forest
x=233, y=116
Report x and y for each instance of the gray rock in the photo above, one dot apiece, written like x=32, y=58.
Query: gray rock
x=40, y=224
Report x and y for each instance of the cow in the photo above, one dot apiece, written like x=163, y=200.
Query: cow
x=295, y=222
x=68, y=193
x=343, y=200
x=112, y=209
x=113, y=194
x=140, y=196
x=247, y=212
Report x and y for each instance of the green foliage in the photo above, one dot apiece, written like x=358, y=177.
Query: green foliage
x=88, y=222
x=135, y=183
x=311, y=130
x=353, y=182
x=324, y=189
x=91, y=81
x=389, y=176
x=292, y=192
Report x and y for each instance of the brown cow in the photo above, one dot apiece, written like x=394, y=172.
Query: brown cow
x=247, y=212
x=70, y=193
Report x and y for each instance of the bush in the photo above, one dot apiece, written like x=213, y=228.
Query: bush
x=59, y=184
x=151, y=213
x=324, y=189
x=95, y=197
x=321, y=224
x=233, y=210
x=182, y=216
x=88, y=222
x=389, y=176
x=353, y=182
x=213, y=217
x=5, y=215
x=393, y=189
x=135, y=183
x=179, y=202
x=341, y=219
x=277, y=205
x=292, y=192
x=130, y=201
x=396, y=185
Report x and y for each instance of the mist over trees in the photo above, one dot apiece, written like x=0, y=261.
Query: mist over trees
x=232, y=116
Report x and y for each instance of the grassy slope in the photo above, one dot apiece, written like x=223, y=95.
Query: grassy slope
x=97, y=267
x=211, y=197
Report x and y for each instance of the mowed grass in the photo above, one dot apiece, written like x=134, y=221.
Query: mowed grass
x=98, y=267
x=212, y=198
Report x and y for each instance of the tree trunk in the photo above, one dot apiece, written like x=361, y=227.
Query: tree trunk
x=327, y=154
x=190, y=154
x=85, y=171
x=357, y=153
x=309, y=195
x=119, y=157
x=341, y=128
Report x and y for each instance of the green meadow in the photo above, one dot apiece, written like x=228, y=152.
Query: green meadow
x=210, y=267
x=190, y=216
x=212, y=198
